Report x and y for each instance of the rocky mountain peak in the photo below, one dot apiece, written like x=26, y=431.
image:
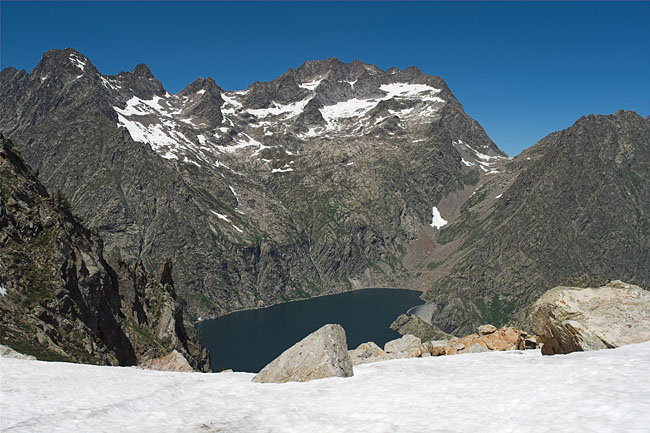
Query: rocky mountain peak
x=316, y=68
x=142, y=71
x=202, y=86
x=67, y=63
x=140, y=82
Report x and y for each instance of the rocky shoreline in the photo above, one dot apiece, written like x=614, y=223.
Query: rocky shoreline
x=565, y=319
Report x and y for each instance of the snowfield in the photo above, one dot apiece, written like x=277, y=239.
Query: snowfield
x=604, y=391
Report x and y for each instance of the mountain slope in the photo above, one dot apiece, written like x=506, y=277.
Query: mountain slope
x=60, y=298
x=577, y=202
x=321, y=180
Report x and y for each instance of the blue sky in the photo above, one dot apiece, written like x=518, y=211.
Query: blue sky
x=521, y=69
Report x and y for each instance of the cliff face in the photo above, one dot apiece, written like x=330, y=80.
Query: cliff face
x=59, y=297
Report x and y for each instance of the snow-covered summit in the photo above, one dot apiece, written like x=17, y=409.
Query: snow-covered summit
x=602, y=391
x=320, y=101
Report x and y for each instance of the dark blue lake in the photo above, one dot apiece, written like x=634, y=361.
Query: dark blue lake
x=248, y=340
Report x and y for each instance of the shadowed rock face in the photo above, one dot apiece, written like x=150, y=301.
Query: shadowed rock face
x=60, y=298
x=570, y=319
x=323, y=353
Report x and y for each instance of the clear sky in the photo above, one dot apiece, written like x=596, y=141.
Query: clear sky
x=521, y=69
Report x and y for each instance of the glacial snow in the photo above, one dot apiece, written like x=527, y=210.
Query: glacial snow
x=437, y=221
x=157, y=121
x=354, y=107
x=77, y=62
x=516, y=391
x=226, y=219
x=290, y=110
x=311, y=85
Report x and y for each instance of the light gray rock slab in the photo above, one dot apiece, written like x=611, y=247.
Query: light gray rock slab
x=402, y=344
x=569, y=319
x=323, y=353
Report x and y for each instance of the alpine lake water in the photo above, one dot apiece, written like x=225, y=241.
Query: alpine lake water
x=248, y=340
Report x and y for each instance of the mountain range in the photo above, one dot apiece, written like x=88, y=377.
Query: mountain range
x=332, y=177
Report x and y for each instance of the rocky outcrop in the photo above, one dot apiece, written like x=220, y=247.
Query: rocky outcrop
x=488, y=339
x=504, y=338
x=414, y=325
x=367, y=352
x=486, y=329
x=62, y=300
x=570, y=319
x=323, y=353
x=407, y=344
x=174, y=361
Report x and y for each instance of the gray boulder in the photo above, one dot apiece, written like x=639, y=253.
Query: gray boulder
x=486, y=329
x=570, y=319
x=369, y=352
x=173, y=361
x=476, y=348
x=323, y=353
x=403, y=344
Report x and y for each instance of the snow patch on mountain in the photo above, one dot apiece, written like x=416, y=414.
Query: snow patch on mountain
x=406, y=90
x=338, y=114
x=289, y=110
x=351, y=108
x=109, y=84
x=437, y=221
x=487, y=163
x=226, y=219
x=242, y=141
x=281, y=170
x=155, y=135
x=311, y=85
x=77, y=62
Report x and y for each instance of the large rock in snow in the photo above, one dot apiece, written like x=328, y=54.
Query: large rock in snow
x=405, y=344
x=323, y=353
x=365, y=353
x=570, y=319
x=173, y=361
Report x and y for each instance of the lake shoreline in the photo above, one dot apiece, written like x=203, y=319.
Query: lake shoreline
x=195, y=323
x=247, y=340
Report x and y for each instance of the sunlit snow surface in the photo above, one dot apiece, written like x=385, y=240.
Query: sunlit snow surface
x=437, y=221
x=603, y=391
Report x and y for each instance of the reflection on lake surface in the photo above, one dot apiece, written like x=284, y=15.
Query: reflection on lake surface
x=248, y=340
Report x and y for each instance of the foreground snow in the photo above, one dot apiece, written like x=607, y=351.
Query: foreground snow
x=604, y=391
